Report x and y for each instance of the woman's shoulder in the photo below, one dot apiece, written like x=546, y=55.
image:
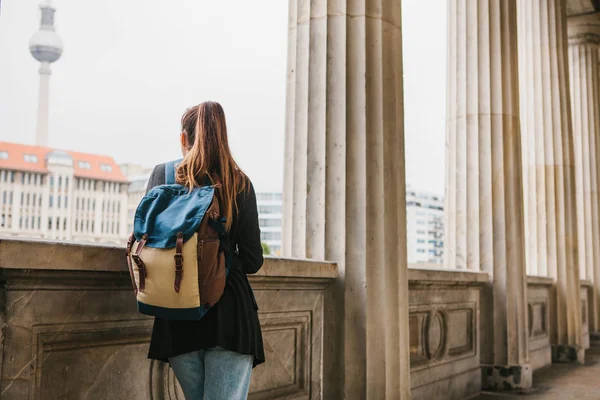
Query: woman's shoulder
x=247, y=193
x=157, y=177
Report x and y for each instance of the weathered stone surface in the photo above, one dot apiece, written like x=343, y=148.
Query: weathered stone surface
x=509, y=378
x=76, y=334
x=568, y=354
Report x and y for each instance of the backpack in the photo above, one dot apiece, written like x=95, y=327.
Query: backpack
x=177, y=252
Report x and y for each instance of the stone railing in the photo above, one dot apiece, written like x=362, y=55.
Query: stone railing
x=71, y=328
x=541, y=292
x=444, y=333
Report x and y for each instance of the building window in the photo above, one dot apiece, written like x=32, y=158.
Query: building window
x=270, y=235
x=266, y=222
x=420, y=241
x=66, y=201
x=84, y=165
x=275, y=209
x=106, y=167
x=51, y=202
x=420, y=250
x=3, y=155
x=59, y=201
x=30, y=158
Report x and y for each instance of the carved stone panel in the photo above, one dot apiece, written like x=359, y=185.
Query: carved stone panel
x=444, y=343
x=441, y=333
x=286, y=338
x=538, y=318
x=90, y=360
x=585, y=320
x=539, y=324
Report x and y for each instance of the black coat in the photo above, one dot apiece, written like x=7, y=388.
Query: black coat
x=233, y=322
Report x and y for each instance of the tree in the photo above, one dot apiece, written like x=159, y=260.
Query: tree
x=266, y=248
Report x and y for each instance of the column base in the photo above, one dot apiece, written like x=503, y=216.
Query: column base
x=506, y=378
x=568, y=354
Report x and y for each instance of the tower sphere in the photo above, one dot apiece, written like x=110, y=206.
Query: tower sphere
x=45, y=45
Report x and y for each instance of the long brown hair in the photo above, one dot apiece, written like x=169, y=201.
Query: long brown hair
x=209, y=156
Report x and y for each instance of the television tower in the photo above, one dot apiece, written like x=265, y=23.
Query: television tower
x=46, y=47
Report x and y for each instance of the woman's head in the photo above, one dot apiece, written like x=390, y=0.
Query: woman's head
x=206, y=154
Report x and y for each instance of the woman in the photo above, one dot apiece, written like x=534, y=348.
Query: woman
x=213, y=358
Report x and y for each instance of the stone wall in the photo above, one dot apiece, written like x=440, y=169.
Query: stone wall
x=71, y=329
x=444, y=334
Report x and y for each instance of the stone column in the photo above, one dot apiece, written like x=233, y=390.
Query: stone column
x=549, y=174
x=584, y=40
x=484, y=193
x=344, y=195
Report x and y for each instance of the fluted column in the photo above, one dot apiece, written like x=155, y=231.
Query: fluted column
x=584, y=40
x=549, y=174
x=344, y=193
x=484, y=178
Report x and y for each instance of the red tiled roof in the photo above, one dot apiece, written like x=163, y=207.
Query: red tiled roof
x=16, y=162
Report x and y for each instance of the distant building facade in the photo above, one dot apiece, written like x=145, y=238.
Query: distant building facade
x=270, y=219
x=424, y=227
x=61, y=195
x=137, y=177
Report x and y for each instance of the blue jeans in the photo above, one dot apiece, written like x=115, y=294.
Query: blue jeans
x=213, y=374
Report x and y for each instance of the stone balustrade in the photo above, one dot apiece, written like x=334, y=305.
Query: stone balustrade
x=70, y=328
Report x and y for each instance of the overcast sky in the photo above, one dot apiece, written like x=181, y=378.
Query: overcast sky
x=130, y=68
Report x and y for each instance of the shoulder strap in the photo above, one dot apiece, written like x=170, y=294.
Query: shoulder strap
x=170, y=168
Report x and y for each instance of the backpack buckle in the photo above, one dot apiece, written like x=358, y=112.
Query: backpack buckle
x=178, y=260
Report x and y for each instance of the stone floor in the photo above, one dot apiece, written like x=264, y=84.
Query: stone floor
x=562, y=382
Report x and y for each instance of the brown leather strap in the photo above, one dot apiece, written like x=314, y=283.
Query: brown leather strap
x=178, y=261
x=128, y=254
x=143, y=272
